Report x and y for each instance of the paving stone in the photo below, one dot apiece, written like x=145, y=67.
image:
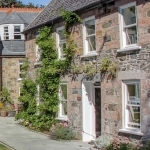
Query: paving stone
x=21, y=138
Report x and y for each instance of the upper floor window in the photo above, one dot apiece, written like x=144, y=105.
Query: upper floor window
x=128, y=25
x=6, y=33
x=89, y=34
x=61, y=41
x=17, y=34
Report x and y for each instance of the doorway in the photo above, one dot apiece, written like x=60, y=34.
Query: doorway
x=91, y=105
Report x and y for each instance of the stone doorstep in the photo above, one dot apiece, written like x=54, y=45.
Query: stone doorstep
x=11, y=148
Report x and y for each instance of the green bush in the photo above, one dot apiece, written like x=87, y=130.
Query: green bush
x=61, y=132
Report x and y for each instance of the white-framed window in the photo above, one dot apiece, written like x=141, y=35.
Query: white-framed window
x=63, y=100
x=17, y=32
x=89, y=35
x=6, y=33
x=128, y=19
x=19, y=70
x=131, y=105
x=61, y=41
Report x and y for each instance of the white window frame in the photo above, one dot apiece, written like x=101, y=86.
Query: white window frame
x=19, y=70
x=60, y=114
x=17, y=33
x=6, y=34
x=38, y=53
x=125, y=111
x=122, y=32
x=60, y=55
x=85, y=41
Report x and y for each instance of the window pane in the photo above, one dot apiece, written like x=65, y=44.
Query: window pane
x=91, y=43
x=90, y=26
x=131, y=90
x=131, y=35
x=61, y=34
x=64, y=107
x=16, y=28
x=129, y=15
x=17, y=36
x=63, y=91
x=134, y=114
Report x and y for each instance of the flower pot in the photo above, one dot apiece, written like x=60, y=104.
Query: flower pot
x=3, y=113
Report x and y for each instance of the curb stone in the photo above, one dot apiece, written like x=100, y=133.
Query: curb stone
x=7, y=145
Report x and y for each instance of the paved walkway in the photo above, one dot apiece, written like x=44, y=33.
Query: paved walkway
x=21, y=138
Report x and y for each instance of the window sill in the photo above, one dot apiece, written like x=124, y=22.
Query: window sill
x=131, y=132
x=130, y=48
x=37, y=63
x=89, y=55
x=62, y=118
x=20, y=79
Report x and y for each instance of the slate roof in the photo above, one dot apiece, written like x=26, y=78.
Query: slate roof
x=51, y=11
x=13, y=47
x=18, y=18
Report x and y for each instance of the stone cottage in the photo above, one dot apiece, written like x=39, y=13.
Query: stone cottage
x=118, y=30
x=12, y=45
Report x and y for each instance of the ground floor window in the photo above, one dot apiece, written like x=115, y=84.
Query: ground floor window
x=131, y=100
x=63, y=100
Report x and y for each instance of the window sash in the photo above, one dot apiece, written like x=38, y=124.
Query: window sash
x=17, y=34
x=62, y=101
x=127, y=40
x=61, y=42
x=132, y=112
x=6, y=33
x=90, y=39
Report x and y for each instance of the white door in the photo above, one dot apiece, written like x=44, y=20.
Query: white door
x=89, y=92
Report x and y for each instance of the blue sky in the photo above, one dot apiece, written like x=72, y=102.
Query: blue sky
x=43, y=2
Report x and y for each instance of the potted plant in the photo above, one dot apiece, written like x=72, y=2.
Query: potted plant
x=5, y=98
x=1, y=106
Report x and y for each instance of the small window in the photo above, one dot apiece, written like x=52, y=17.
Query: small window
x=61, y=42
x=63, y=100
x=20, y=70
x=17, y=32
x=89, y=29
x=6, y=33
x=129, y=25
x=132, y=105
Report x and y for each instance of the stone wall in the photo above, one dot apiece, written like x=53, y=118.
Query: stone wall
x=10, y=76
x=131, y=65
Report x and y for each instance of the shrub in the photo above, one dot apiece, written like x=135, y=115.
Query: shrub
x=102, y=141
x=120, y=143
x=61, y=132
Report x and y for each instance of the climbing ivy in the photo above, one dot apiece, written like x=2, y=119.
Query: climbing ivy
x=43, y=116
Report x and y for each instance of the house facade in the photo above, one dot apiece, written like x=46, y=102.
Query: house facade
x=12, y=44
x=118, y=30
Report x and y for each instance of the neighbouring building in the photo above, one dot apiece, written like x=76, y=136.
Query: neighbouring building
x=116, y=29
x=12, y=45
